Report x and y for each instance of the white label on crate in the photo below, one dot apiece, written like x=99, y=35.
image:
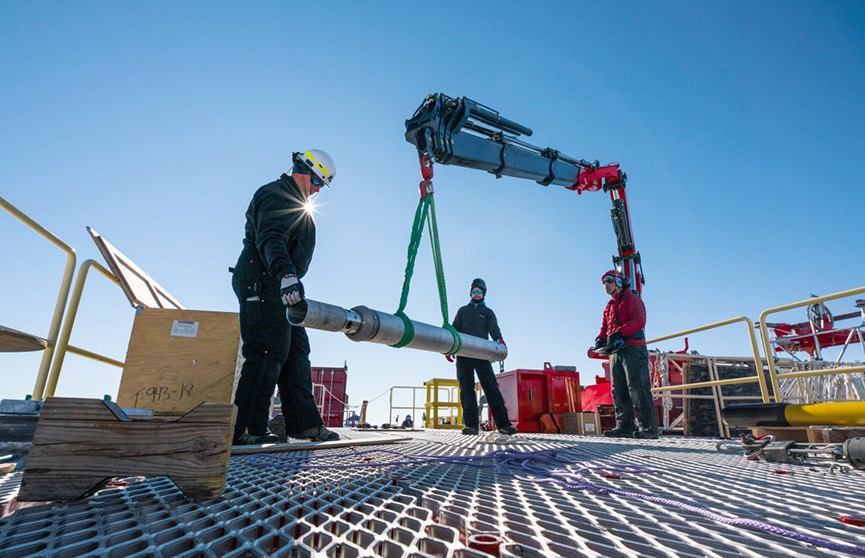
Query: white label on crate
x=590, y=427
x=184, y=329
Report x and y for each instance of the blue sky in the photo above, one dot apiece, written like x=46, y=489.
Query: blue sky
x=739, y=124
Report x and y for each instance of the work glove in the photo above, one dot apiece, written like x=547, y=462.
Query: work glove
x=613, y=337
x=599, y=342
x=450, y=358
x=614, y=347
x=290, y=290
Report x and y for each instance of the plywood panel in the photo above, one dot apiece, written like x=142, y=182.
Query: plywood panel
x=141, y=290
x=178, y=359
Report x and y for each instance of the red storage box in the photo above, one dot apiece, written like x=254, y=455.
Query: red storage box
x=525, y=395
x=528, y=394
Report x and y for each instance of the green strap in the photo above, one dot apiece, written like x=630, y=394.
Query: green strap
x=425, y=214
x=416, y=234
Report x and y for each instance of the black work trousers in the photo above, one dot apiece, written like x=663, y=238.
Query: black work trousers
x=629, y=369
x=466, y=369
x=277, y=354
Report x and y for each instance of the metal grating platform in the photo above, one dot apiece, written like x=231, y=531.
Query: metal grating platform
x=448, y=495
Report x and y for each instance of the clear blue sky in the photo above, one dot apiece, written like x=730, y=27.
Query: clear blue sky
x=740, y=126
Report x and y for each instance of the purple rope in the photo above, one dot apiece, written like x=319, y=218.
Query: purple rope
x=509, y=463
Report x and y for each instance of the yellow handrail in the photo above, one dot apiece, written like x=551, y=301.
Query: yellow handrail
x=62, y=296
x=758, y=366
x=71, y=313
x=764, y=332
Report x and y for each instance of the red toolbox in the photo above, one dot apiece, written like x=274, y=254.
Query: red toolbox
x=528, y=394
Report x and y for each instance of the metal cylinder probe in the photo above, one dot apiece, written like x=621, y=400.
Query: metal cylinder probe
x=373, y=326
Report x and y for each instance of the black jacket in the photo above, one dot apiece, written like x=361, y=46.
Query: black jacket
x=280, y=235
x=476, y=319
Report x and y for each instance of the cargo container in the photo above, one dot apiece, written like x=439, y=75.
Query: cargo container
x=329, y=392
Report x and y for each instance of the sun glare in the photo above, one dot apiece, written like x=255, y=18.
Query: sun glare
x=309, y=207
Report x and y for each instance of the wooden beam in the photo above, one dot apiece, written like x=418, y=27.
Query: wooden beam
x=14, y=341
x=79, y=444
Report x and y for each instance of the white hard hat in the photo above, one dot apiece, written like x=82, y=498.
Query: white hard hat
x=319, y=164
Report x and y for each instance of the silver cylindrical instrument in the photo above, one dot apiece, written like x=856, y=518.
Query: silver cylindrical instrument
x=365, y=324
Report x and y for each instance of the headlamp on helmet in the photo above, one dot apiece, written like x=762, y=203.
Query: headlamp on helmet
x=316, y=163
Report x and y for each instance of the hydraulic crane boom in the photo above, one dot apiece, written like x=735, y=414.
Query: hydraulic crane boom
x=462, y=132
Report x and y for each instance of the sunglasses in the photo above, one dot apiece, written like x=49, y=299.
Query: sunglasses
x=315, y=181
x=477, y=291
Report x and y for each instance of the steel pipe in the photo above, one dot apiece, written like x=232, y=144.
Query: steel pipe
x=373, y=326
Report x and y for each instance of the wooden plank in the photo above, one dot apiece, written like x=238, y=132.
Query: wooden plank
x=783, y=433
x=80, y=443
x=834, y=434
x=14, y=341
x=303, y=446
x=178, y=359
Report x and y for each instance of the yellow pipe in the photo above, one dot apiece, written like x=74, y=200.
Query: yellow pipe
x=841, y=413
x=62, y=296
x=72, y=312
x=94, y=356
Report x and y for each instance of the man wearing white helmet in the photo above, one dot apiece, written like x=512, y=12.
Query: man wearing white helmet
x=277, y=250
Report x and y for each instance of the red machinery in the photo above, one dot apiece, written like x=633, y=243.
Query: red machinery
x=819, y=332
x=459, y=131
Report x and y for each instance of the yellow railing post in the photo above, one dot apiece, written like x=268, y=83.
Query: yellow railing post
x=764, y=331
x=62, y=296
x=71, y=313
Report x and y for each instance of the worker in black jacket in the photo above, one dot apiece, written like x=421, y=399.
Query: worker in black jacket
x=476, y=319
x=277, y=249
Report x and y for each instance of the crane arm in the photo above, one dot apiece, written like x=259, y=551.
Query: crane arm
x=463, y=132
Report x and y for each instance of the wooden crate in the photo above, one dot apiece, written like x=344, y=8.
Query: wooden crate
x=178, y=359
x=81, y=443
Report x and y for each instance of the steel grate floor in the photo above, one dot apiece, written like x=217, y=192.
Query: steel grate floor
x=443, y=494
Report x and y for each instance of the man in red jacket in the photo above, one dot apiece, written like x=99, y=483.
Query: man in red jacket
x=622, y=338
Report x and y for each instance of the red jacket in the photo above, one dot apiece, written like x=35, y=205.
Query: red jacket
x=625, y=313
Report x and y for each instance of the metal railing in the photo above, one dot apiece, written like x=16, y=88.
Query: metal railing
x=414, y=408
x=71, y=313
x=764, y=331
x=57, y=341
x=769, y=364
x=62, y=295
x=731, y=381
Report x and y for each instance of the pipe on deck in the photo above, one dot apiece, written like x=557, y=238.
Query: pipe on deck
x=837, y=413
x=365, y=324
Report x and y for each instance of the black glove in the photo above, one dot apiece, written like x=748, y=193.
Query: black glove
x=290, y=290
x=599, y=342
x=613, y=337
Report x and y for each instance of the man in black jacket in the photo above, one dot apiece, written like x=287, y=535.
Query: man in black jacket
x=476, y=319
x=277, y=249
